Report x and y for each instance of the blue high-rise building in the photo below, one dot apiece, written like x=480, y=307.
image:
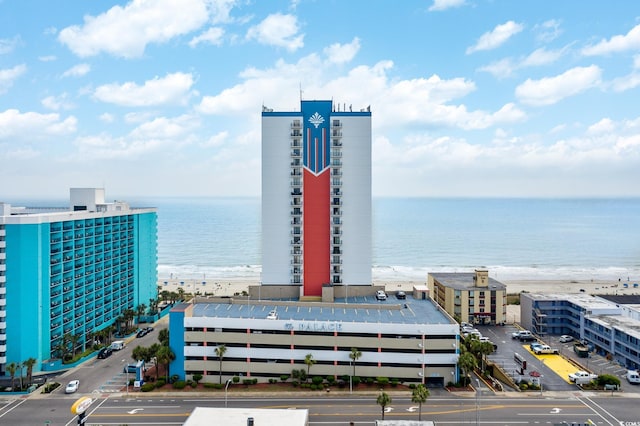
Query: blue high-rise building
x=67, y=273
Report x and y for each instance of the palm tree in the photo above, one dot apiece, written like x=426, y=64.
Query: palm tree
x=11, y=369
x=419, y=396
x=355, y=355
x=29, y=363
x=140, y=310
x=153, y=353
x=309, y=361
x=163, y=337
x=164, y=356
x=383, y=400
x=220, y=351
x=75, y=339
x=467, y=363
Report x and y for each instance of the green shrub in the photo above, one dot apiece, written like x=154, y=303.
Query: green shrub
x=370, y=381
x=179, y=384
x=160, y=383
x=295, y=383
x=213, y=385
x=317, y=380
x=147, y=387
x=197, y=377
x=382, y=380
x=330, y=379
x=284, y=377
x=355, y=380
x=607, y=379
x=236, y=379
x=413, y=385
x=524, y=386
x=395, y=382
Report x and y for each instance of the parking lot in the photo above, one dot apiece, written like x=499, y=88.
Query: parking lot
x=553, y=369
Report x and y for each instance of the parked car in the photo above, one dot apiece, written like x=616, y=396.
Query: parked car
x=141, y=333
x=565, y=338
x=401, y=295
x=381, y=295
x=148, y=329
x=117, y=345
x=633, y=377
x=105, y=353
x=72, y=386
x=520, y=334
x=534, y=345
x=582, y=377
x=545, y=349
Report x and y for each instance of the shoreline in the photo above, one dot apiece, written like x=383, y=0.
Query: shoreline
x=229, y=286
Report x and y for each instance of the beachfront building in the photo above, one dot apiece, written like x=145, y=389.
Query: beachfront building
x=609, y=327
x=471, y=297
x=316, y=199
x=66, y=273
x=412, y=339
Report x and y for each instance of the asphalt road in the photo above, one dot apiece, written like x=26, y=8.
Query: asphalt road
x=332, y=410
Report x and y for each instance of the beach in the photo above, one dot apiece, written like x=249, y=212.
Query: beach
x=229, y=287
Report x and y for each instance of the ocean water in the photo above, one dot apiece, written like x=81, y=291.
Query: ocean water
x=513, y=238
x=219, y=238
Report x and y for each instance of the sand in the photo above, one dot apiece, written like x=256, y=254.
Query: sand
x=229, y=287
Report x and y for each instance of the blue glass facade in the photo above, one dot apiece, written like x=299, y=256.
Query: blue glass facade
x=74, y=274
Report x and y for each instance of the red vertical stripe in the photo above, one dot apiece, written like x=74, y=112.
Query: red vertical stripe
x=316, y=232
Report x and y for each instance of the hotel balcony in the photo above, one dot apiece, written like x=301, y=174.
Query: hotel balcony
x=296, y=143
x=296, y=153
x=336, y=212
x=336, y=182
x=336, y=124
x=336, y=143
x=336, y=134
x=296, y=125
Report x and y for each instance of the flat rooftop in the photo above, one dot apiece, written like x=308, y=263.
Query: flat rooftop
x=583, y=300
x=465, y=281
x=361, y=309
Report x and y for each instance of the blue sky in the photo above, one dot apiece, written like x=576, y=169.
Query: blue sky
x=468, y=97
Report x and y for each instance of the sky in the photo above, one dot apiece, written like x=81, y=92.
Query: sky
x=479, y=98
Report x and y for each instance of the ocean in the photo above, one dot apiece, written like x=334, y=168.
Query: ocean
x=515, y=239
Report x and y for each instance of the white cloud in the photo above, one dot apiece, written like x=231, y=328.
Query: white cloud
x=216, y=140
x=8, y=76
x=212, y=36
x=77, y=70
x=278, y=30
x=627, y=82
x=158, y=134
x=508, y=66
x=501, y=69
x=8, y=44
x=542, y=56
x=126, y=31
x=439, y=5
x=14, y=124
x=420, y=102
x=636, y=62
x=540, y=164
x=548, y=30
x=170, y=90
x=551, y=90
x=57, y=103
x=342, y=53
x=496, y=37
x=107, y=118
x=47, y=58
x=618, y=43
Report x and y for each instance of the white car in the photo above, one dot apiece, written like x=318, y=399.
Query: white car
x=72, y=386
x=381, y=295
x=565, y=338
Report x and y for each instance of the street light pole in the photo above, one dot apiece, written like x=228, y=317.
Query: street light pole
x=478, y=402
x=350, y=379
x=226, y=388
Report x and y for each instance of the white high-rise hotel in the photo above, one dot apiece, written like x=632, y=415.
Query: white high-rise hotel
x=316, y=197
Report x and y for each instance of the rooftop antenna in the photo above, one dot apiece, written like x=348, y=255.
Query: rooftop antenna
x=300, y=91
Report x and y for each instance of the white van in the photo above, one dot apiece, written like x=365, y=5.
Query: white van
x=117, y=345
x=633, y=377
